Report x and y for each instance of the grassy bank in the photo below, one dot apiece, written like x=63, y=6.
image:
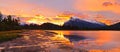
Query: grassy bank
x=9, y=35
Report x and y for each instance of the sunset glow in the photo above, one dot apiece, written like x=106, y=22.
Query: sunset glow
x=59, y=25
x=41, y=11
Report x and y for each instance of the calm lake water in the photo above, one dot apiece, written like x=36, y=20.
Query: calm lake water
x=64, y=41
x=94, y=41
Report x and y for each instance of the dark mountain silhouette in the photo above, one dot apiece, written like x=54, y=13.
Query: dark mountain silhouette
x=50, y=26
x=115, y=26
x=76, y=23
x=30, y=26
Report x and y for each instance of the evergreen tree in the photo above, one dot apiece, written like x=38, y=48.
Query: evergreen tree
x=0, y=16
x=10, y=23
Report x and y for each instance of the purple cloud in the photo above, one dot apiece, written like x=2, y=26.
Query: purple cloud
x=107, y=3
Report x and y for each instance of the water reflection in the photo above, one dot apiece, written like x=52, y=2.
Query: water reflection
x=74, y=37
x=94, y=41
x=65, y=41
x=60, y=38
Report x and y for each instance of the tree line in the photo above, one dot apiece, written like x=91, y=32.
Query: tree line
x=9, y=23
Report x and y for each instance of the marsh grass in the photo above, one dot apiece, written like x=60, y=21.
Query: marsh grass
x=9, y=35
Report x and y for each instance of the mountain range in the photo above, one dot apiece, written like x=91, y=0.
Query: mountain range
x=82, y=24
x=79, y=24
x=113, y=27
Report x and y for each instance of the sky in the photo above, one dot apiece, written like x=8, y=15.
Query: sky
x=59, y=11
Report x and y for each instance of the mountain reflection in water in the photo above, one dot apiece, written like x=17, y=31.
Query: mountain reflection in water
x=74, y=37
x=94, y=41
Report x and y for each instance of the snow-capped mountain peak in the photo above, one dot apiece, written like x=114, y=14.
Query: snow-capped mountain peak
x=74, y=21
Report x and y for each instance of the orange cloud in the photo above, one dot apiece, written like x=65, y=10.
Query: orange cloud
x=95, y=5
x=103, y=19
x=107, y=4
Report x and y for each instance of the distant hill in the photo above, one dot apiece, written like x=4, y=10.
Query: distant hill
x=77, y=23
x=50, y=26
x=115, y=26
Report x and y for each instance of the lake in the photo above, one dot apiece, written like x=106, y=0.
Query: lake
x=98, y=41
x=64, y=41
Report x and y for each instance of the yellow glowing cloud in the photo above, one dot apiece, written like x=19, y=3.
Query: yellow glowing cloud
x=40, y=19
